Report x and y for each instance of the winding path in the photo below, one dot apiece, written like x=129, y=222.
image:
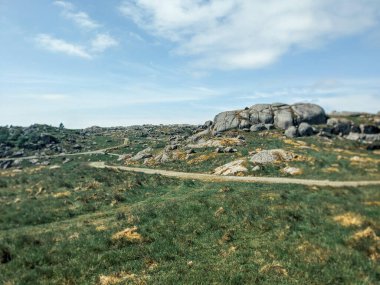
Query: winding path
x=99, y=151
x=246, y=179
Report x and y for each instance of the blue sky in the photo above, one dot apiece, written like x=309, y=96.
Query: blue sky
x=117, y=62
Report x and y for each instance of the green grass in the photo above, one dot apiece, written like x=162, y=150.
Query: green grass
x=265, y=234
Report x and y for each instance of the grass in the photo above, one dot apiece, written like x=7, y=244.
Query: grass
x=189, y=232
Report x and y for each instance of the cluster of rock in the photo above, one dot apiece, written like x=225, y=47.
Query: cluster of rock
x=259, y=159
x=298, y=120
x=367, y=133
x=268, y=116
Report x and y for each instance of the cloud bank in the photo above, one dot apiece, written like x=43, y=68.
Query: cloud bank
x=248, y=34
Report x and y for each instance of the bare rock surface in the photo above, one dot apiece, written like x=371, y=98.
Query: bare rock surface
x=271, y=156
x=281, y=115
x=146, y=153
x=232, y=168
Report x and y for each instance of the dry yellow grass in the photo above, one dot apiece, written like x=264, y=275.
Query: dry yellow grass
x=372, y=203
x=370, y=236
x=360, y=160
x=101, y=228
x=118, y=278
x=274, y=267
x=349, y=219
x=202, y=158
x=331, y=169
x=64, y=194
x=312, y=253
x=128, y=234
x=230, y=142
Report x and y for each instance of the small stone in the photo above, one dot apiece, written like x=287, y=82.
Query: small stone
x=256, y=168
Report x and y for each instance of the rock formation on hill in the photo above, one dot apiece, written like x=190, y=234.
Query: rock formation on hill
x=282, y=116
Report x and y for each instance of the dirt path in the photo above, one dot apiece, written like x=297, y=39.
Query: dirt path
x=99, y=151
x=246, y=179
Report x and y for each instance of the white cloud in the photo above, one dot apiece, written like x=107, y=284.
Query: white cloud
x=80, y=18
x=98, y=44
x=64, y=4
x=57, y=45
x=102, y=42
x=249, y=33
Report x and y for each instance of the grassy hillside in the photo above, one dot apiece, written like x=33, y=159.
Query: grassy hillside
x=79, y=225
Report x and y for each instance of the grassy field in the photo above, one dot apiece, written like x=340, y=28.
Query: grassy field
x=79, y=225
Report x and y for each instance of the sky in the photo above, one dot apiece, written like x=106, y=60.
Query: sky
x=132, y=62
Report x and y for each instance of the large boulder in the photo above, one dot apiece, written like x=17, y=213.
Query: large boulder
x=226, y=121
x=309, y=113
x=281, y=115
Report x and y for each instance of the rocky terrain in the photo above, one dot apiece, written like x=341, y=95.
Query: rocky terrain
x=251, y=141
x=271, y=194
x=298, y=120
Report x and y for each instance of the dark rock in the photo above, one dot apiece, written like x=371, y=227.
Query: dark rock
x=6, y=164
x=304, y=129
x=355, y=129
x=340, y=126
x=369, y=129
x=374, y=146
x=46, y=138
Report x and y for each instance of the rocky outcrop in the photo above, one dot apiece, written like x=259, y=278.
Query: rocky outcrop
x=272, y=156
x=146, y=153
x=281, y=115
x=232, y=168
